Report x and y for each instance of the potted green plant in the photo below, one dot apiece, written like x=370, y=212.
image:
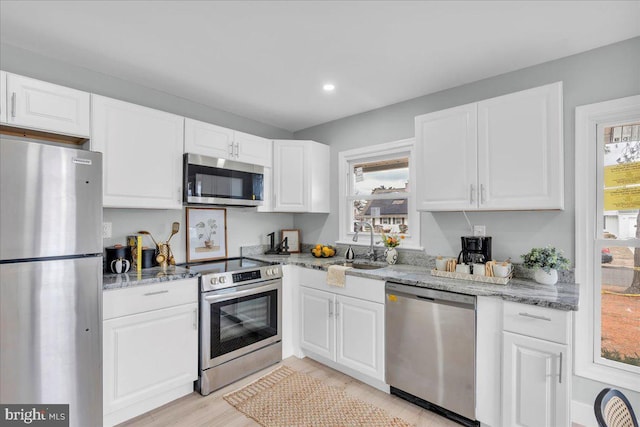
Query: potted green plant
x=546, y=261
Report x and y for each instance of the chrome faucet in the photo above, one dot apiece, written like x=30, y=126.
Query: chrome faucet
x=371, y=254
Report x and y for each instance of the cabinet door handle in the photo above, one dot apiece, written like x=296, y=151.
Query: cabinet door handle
x=156, y=293
x=231, y=150
x=330, y=308
x=195, y=318
x=482, y=195
x=13, y=105
x=534, y=316
x=237, y=153
x=560, y=370
x=471, y=194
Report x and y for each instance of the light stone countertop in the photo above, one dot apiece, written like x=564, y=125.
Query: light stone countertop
x=562, y=296
x=147, y=276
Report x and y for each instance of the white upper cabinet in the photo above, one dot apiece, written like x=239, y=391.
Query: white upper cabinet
x=216, y=141
x=446, y=151
x=253, y=149
x=520, y=153
x=300, y=176
x=504, y=153
x=39, y=105
x=142, y=154
x=3, y=97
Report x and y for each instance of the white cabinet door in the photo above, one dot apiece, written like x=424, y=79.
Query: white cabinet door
x=360, y=335
x=207, y=139
x=149, y=353
x=44, y=106
x=142, y=148
x=535, y=380
x=317, y=329
x=300, y=176
x=3, y=97
x=216, y=141
x=446, y=159
x=290, y=177
x=253, y=149
x=520, y=155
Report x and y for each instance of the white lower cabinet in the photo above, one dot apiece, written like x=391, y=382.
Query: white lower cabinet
x=150, y=353
x=535, y=382
x=536, y=366
x=344, y=331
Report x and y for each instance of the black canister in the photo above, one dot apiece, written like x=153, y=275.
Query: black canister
x=114, y=253
x=148, y=257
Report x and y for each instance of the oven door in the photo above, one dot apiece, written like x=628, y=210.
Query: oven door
x=239, y=320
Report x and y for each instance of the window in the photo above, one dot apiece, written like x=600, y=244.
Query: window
x=375, y=188
x=608, y=242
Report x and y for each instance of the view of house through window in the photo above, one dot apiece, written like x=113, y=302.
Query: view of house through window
x=618, y=331
x=379, y=195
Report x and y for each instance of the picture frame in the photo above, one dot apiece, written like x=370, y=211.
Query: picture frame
x=293, y=240
x=206, y=234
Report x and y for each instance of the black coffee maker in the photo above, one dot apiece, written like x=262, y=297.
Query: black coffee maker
x=475, y=250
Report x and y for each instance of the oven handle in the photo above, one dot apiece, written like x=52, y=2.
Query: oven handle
x=260, y=288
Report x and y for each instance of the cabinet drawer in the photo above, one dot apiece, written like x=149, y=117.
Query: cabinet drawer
x=139, y=299
x=538, y=322
x=356, y=287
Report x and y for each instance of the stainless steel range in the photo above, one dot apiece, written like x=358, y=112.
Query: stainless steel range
x=240, y=320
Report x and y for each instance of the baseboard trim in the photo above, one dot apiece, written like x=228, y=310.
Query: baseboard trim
x=582, y=413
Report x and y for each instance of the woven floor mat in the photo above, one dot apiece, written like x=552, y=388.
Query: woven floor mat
x=286, y=398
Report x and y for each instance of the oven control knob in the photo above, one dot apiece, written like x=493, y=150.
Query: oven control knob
x=222, y=280
x=214, y=280
x=269, y=271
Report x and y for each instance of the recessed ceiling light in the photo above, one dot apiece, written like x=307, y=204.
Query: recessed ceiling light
x=329, y=87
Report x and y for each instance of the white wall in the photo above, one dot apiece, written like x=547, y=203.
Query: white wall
x=606, y=73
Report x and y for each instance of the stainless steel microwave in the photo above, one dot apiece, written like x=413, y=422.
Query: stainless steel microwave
x=215, y=181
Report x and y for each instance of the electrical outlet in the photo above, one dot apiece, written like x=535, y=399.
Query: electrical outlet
x=106, y=230
x=479, y=230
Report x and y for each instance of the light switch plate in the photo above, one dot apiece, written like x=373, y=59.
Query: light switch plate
x=479, y=230
x=107, y=230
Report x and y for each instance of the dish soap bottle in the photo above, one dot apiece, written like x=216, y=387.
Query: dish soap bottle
x=349, y=256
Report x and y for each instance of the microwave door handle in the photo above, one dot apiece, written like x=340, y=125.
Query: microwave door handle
x=238, y=294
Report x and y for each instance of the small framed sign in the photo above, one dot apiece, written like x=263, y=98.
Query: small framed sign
x=293, y=240
x=206, y=234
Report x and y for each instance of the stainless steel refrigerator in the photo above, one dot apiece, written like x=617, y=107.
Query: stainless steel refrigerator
x=51, y=278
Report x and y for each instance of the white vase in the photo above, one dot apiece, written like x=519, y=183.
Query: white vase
x=391, y=255
x=544, y=278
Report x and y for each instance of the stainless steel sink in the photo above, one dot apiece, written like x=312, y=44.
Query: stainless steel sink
x=362, y=266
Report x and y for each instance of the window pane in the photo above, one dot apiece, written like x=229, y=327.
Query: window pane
x=383, y=176
x=386, y=215
x=620, y=272
x=620, y=305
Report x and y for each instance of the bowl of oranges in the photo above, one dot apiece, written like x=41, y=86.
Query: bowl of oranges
x=323, y=251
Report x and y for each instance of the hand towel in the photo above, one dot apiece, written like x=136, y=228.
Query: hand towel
x=336, y=276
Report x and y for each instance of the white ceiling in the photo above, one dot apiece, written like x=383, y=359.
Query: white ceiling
x=267, y=60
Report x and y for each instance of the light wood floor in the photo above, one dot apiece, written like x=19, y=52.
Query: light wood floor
x=195, y=410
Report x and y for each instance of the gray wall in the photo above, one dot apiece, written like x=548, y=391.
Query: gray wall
x=26, y=63
x=244, y=227
x=601, y=74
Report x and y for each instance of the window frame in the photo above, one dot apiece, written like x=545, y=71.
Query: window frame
x=588, y=177
x=389, y=149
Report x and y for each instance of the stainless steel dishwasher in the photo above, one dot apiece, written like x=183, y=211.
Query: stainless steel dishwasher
x=430, y=349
